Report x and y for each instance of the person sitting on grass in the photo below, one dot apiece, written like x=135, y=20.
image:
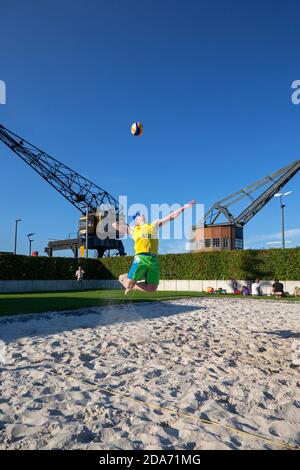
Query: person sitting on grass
x=245, y=290
x=144, y=273
x=277, y=289
x=234, y=285
x=255, y=288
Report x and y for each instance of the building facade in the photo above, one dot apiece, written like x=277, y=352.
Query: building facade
x=217, y=238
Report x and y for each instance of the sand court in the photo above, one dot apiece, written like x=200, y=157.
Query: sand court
x=225, y=360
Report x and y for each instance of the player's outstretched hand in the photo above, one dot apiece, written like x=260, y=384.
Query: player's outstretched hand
x=190, y=204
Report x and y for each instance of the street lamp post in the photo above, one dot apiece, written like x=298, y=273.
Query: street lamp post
x=16, y=235
x=29, y=235
x=87, y=232
x=282, y=206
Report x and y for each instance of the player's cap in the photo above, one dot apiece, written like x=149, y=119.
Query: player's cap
x=135, y=215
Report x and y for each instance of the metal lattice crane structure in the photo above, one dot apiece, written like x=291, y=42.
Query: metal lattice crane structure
x=213, y=233
x=78, y=190
x=270, y=184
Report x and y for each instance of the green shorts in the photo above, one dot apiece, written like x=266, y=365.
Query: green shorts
x=145, y=267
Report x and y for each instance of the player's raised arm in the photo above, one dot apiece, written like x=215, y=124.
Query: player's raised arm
x=173, y=214
x=122, y=228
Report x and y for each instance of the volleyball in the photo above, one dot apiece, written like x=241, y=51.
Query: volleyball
x=137, y=129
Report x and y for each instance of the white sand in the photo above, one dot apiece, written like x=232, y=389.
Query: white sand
x=228, y=360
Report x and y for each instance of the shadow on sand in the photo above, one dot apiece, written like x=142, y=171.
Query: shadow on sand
x=15, y=327
x=285, y=334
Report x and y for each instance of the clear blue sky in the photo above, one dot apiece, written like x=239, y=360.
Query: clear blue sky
x=210, y=80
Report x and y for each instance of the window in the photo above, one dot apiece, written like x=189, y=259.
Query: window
x=216, y=242
x=207, y=243
x=239, y=245
x=225, y=242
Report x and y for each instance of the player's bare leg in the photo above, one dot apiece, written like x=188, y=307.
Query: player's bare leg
x=128, y=284
x=123, y=279
x=144, y=287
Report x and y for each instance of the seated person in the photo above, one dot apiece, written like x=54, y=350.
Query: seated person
x=255, y=288
x=234, y=285
x=245, y=290
x=277, y=288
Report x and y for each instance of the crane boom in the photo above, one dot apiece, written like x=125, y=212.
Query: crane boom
x=264, y=198
x=77, y=189
x=274, y=183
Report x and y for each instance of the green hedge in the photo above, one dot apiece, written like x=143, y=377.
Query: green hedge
x=247, y=264
x=34, y=268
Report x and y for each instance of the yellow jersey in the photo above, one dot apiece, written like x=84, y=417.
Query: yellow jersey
x=145, y=239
